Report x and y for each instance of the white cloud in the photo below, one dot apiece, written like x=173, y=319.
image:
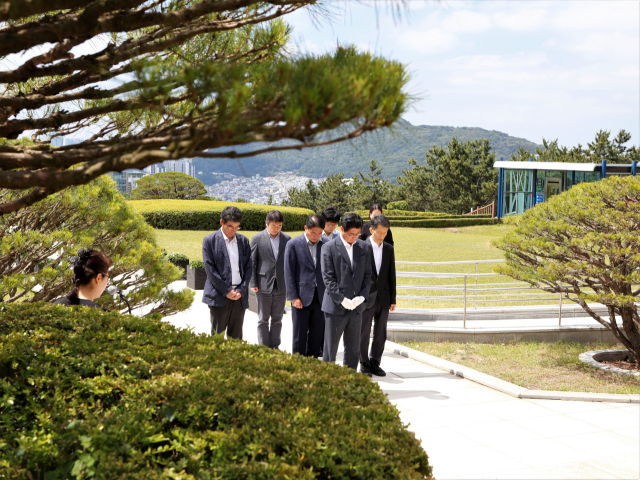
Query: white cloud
x=597, y=15
x=607, y=44
x=528, y=19
x=428, y=42
x=467, y=21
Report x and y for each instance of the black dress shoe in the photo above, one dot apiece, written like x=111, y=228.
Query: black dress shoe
x=374, y=368
x=365, y=369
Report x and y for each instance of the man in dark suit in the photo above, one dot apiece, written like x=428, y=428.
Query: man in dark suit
x=382, y=297
x=267, y=255
x=346, y=272
x=305, y=288
x=227, y=262
x=374, y=211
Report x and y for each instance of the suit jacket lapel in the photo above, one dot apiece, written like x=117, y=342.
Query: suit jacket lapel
x=345, y=255
x=223, y=246
x=267, y=238
x=374, y=273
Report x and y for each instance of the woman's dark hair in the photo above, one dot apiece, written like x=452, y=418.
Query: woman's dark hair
x=86, y=266
x=375, y=206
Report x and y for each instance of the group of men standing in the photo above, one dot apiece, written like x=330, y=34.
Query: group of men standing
x=339, y=283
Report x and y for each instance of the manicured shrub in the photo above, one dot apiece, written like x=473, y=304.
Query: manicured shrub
x=93, y=394
x=204, y=215
x=197, y=264
x=404, y=213
x=178, y=257
x=38, y=241
x=438, y=218
x=399, y=205
x=445, y=222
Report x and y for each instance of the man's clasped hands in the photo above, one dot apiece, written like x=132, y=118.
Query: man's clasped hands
x=351, y=304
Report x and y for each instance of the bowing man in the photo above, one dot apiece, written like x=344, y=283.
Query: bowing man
x=227, y=262
x=346, y=272
x=267, y=255
x=382, y=297
x=305, y=289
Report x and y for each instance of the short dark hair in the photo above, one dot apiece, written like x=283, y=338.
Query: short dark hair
x=379, y=220
x=275, y=216
x=231, y=214
x=375, y=206
x=352, y=220
x=330, y=214
x=315, y=221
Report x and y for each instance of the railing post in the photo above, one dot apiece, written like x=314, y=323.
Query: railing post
x=560, y=306
x=464, y=314
x=475, y=303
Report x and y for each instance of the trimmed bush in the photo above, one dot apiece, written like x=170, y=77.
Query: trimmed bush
x=445, y=222
x=404, y=213
x=197, y=264
x=205, y=215
x=438, y=218
x=93, y=394
x=399, y=205
x=178, y=257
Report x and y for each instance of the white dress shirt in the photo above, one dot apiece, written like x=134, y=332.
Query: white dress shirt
x=312, y=248
x=234, y=259
x=349, y=248
x=377, y=253
x=275, y=244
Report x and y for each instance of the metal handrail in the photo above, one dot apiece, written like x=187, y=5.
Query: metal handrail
x=465, y=290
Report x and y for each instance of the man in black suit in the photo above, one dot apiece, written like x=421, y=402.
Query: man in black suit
x=303, y=276
x=346, y=272
x=374, y=211
x=267, y=255
x=382, y=297
x=227, y=262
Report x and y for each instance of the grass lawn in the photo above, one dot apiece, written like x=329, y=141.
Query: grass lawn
x=411, y=244
x=536, y=366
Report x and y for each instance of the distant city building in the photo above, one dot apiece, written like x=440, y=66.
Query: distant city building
x=127, y=181
x=182, y=166
x=257, y=189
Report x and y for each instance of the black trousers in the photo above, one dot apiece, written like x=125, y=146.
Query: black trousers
x=348, y=327
x=381, y=315
x=308, y=328
x=229, y=318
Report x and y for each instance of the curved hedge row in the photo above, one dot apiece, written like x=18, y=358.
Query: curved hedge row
x=92, y=394
x=466, y=221
x=205, y=215
x=404, y=213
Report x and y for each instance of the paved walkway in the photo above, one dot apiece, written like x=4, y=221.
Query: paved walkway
x=472, y=431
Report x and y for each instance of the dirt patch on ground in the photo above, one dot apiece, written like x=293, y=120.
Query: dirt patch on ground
x=623, y=364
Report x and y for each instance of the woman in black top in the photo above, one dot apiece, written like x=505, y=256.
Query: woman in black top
x=90, y=278
x=365, y=233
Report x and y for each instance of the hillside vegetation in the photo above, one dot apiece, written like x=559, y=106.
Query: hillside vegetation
x=391, y=148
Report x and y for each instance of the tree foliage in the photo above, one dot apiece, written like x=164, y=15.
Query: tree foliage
x=37, y=242
x=451, y=180
x=173, y=185
x=371, y=188
x=167, y=80
x=603, y=147
x=585, y=244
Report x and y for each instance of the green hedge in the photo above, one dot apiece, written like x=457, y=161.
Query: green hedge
x=404, y=213
x=445, y=222
x=92, y=394
x=204, y=215
x=438, y=218
x=399, y=205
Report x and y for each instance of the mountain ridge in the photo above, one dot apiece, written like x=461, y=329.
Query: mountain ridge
x=391, y=148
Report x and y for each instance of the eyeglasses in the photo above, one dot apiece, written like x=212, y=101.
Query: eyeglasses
x=352, y=235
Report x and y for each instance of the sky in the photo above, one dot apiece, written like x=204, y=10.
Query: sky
x=532, y=69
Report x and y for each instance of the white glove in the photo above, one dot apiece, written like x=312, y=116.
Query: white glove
x=348, y=304
x=357, y=301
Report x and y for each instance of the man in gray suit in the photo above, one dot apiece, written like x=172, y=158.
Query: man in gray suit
x=346, y=272
x=267, y=256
